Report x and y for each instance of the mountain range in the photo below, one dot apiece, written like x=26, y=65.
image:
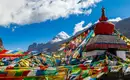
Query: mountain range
x=53, y=45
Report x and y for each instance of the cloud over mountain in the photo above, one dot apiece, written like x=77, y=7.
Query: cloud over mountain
x=79, y=26
x=23, y=12
x=115, y=20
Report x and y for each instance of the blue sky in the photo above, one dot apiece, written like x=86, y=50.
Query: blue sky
x=43, y=31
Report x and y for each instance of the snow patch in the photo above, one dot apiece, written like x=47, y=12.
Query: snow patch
x=59, y=37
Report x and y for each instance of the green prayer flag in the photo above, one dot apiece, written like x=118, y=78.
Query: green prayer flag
x=18, y=73
x=30, y=78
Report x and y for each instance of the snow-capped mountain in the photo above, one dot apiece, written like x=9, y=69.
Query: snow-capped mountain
x=59, y=37
x=50, y=46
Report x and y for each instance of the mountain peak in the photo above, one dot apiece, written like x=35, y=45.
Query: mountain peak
x=1, y=44
x=60, y=36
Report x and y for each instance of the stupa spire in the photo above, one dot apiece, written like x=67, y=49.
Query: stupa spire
x=103, y=17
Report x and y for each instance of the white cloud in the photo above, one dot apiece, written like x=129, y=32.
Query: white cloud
x=115, y=20
x=13, y=28
x=79, y=26
x=23, y=12
x=96, y=22
x=19, y=49
x=111, y=20
x=88, y=11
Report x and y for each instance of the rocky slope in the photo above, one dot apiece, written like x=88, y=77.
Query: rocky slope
x=124, y=27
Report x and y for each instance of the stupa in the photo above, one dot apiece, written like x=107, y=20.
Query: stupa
x=106, y=40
